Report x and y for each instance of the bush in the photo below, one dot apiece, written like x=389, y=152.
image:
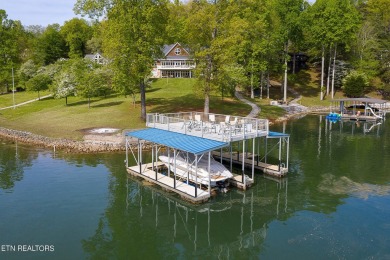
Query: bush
x=354, y=84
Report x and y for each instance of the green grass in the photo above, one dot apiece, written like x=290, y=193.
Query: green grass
x=51, y=117
x=175, y=95
x=6, y=100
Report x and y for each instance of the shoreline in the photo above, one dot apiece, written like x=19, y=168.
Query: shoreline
x=97, y=144
x=63, y=144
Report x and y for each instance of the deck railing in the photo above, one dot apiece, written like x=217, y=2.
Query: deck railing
x=219, y=127
x=181, y=66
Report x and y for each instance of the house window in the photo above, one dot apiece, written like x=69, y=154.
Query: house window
x=177, y=51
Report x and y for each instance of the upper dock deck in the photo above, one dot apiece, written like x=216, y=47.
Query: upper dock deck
x=225, y=128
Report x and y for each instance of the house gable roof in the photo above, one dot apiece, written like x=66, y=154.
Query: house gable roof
x=168, y=48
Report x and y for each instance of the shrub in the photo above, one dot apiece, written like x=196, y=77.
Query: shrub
x=354, y=84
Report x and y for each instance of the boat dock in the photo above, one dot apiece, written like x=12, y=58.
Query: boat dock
x=171, y=137
x=360, y=109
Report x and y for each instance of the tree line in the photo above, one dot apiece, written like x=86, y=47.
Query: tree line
x=234, y=43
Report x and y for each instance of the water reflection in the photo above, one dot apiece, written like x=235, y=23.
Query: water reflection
x=121, y=217
x=231, y=225
x=12, y=164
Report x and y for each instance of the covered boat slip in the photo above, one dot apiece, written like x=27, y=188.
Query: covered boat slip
x=182, y=145
x=361, y=109
x=149, y=172
x=187, y=187
x=225, y=128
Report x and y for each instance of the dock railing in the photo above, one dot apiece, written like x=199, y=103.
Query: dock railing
x=219, y=127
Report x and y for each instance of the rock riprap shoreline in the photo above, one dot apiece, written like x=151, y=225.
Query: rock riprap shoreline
x=98, y=142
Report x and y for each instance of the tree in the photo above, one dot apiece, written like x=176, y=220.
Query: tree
x=289, y=30
x=377, y=14
x=27, y=71
x=76, y=33
x=93, y=80
x=178, y=13
x=355, y=83
x=64, y=80
x=10, y=50
x=50, y=46
x=206, y=36
x=331, y=25
x=133, y=37
x=38, y=83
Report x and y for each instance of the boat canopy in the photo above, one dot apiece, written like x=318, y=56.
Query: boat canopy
x=362, y=100
x=187, y=143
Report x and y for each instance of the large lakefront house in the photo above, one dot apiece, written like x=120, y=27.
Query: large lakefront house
x=176, y=63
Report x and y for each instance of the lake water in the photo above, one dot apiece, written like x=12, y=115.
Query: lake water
x=334, y=204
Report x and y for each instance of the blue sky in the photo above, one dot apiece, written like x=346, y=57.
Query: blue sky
x=39, y=12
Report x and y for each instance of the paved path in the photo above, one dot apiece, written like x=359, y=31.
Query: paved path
x=292, y=107
x=27, y=102
x=255, y=109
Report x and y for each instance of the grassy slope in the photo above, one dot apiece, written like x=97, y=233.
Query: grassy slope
x=50, y=117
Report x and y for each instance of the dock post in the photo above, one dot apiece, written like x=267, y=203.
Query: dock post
x=196, y=176
x=174, y=169
x=220, y=154
x=288, y=151
x=156, y=169
x=258, y=151
x=266, y=150
x=280, y=152
x=153, y=159
x=209, y=169
x=127, y=153
x=243, y=163
x=253, y=159
x=231, y=158
x=169, y=160
x=188, y=170
x=139, y=157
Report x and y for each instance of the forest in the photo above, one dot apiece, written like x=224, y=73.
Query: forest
x=233, y=42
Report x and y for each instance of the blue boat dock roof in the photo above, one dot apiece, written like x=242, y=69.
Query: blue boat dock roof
x=187, y=143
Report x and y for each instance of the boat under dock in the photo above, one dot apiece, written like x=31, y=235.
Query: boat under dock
x=186, y=191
